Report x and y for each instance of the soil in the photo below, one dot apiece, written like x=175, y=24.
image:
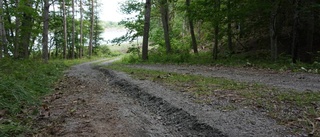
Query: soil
x=92, y=101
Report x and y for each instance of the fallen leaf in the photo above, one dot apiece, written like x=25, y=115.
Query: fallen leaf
x=45, y=107
x=45, y=114
x=72, y=110
x=2, y=113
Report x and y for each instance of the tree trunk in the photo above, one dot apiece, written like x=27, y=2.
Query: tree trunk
x=64, y=30
x=216, y=30
x=273, y=30
x=54, y=33
x=91, y=29
x=45, y=31
x=73, y=31
x=216, y=42
x=229, y=28
x=26, y=30
x=17, y=34
x=51, y=44
x=193, y=37
x=3, y=39
x=309, y=27
x=95, y=28
x=240, y=28
x=35, y=24
x=295, y=32
x=81, y=30
x=146, y=30
x=165, y=23
x=10, y=33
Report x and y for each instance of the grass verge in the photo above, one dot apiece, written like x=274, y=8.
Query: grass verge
x=254, y=60
x=22, y=84
x=297, y=110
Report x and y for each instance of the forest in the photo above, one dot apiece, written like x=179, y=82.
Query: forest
x=45, y=29
x=266, y=30
x=40, y=39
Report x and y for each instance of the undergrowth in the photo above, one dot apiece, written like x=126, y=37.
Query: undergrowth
x=22, y=84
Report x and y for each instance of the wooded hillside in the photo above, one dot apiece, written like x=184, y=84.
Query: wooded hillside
x=269, y=28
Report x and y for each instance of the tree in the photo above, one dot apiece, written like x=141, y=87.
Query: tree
x=303, y=46
x=17, y=47
x=295, y=33
x=3, y=39
x=27, y=23
x=22, y=22
x=307, y=27
x=190, y=20
x=134, y=25
x=91, y=29
x=146, y=30
x=81, y=31
x=216, y=29
x=229, y=29
x=64, y=30
x=45, y=53
x=236, y=26
x=274, y=29
x=9, y=32
x=164, y=10
x=73, y=31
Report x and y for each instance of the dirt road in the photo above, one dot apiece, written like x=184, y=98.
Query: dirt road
x=91, y=101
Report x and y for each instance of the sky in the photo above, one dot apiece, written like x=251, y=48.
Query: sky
x=110, y=10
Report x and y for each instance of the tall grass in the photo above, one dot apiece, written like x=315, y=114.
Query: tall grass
x=22, y=83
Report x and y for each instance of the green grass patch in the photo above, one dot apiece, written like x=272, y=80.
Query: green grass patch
x=254, y=60
x=22, y=84
x=292, y=108
x=187, y=81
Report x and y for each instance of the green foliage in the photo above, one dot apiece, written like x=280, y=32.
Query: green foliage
x=134, y=50
x=134, y=25
x=258, y=59
x=110, y=24
x=98, y=30
x=170, y=58
x=22, y=83
x=175, y=79
x=11, y=128
x=131, y=7
x=131, y=58
x=104, y=51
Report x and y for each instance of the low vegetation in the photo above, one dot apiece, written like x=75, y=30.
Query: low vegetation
x=111, y=24
x=256, y=60
x=22, y=84
x=294, y=109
